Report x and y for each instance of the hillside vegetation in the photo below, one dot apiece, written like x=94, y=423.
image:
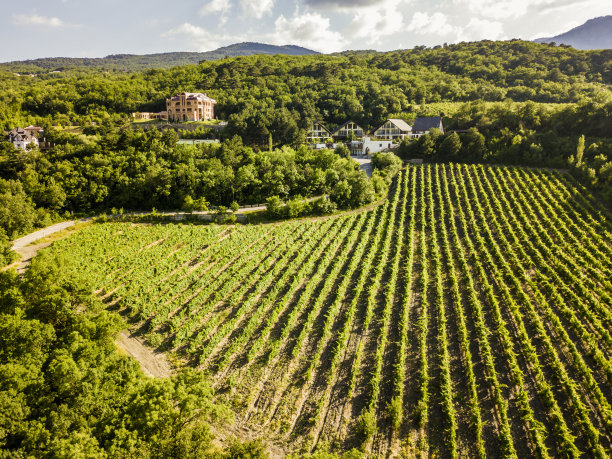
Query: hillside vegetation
x=518, y=103
x=281, y=93
x=468, y=315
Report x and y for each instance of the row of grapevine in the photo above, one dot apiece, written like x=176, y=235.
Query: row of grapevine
x=470, y=314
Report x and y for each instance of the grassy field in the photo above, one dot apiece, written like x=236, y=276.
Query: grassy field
x=468, y=315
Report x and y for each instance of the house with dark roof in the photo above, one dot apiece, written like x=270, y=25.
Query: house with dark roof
x=350, y=129
x=318, y=132
x=24, y=137
x=393, y=128
x=422, y=126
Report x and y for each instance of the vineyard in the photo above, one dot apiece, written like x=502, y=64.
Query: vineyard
x=468, y=315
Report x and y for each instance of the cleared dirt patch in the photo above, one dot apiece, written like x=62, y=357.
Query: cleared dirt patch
x=153, y=363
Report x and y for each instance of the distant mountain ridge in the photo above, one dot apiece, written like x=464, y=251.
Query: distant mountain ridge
x=158, y=60
x=594, y=34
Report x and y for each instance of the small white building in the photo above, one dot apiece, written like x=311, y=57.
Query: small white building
x=196, y=141
x=24, y=137
x=369, y=146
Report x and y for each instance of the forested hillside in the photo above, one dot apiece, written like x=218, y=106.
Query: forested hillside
x=467, y=314
x=512, y=102
x=266, y=91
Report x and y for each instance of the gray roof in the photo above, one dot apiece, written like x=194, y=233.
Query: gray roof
x=19, y=134
x=425, y=124
x=401, y=124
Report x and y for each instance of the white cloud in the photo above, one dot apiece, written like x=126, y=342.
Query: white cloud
x=36, y=20
x=311, y=30
x=195, y=37
x=256, y=8
x=435, y=24
x=481, y=29
x=374, y=22
x=216, y=6
x=438, y=24
x=505, y=9
x=341, y=4
x=561, y=29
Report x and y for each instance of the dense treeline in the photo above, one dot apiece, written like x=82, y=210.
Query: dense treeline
x=278, y=95
x=136, y=170
x=66, y=392
x=547, y=97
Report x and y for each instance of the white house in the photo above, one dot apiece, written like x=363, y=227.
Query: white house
x=318, y=131
x=348, y=129
x=393, y=128
x=23, y=137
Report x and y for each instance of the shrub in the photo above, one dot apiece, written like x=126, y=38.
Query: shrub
x=323, y=206
x=274, y=207
x=387, y=163
x=254, y=449
x=366, y=425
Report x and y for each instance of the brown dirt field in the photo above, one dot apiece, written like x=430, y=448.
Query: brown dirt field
x=152, y=363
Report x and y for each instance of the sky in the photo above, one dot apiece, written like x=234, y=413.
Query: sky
x=88, y=28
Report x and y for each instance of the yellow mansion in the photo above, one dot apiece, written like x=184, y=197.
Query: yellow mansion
x=190, y=106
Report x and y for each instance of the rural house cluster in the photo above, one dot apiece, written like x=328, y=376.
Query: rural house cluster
x=382, y=138
x=197, y=106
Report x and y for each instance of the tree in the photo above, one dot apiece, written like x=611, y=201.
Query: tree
x=17, y=213
x=6, y=253
x=450, y=146
x=342, y=150
x=188, y=204
x=274, y=207
x=473, y=145
x=580, y=151
x=200, y=204
x=169, y=138
x=426, y=145
x=387, y=163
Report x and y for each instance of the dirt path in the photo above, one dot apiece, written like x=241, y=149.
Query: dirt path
x=152, y=363
x=22, y=242
x=25, y=256
x=26, y=249
x=365, y=164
